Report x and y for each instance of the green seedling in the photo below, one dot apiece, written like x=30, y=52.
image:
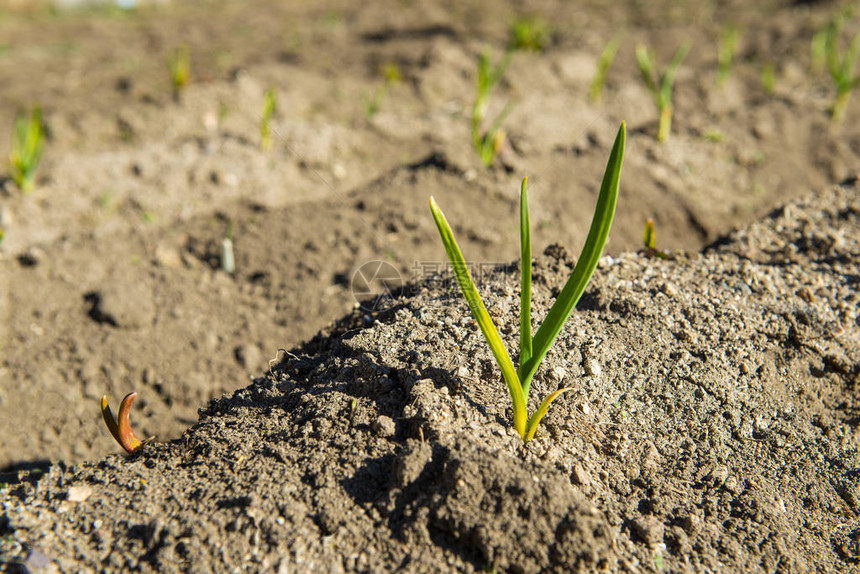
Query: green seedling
x=818, y=52
x=768, y=78
x=391, y=76
x=270, y=104
x=119, y=426
x=488, y=143
x=661, y=86
x=179, y=66
x=607, y=56
x=726, y=53
x=528, y=34
x=533, y=350
x=28, y=141
x=372, y=104
x=649, y=241
x=841, y=68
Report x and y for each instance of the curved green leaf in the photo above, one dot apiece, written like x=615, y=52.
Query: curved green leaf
x=479, y=312
x=535, y=419
x=585, y=265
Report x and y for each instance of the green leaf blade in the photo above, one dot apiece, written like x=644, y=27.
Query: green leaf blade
x=479, y=312
x=585, y=265
x=526, y=278
x=535, y=419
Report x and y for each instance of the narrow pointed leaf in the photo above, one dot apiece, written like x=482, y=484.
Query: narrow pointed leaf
x=585, y=265
x=479, y=312
x=669, y=78
x=649, y=238
x=646, y=69
x=110, y=421
x=535, y=419
x=526, y=279
x=126, y=436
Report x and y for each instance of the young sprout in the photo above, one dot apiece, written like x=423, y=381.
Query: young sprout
x=607, y=56
x=649, y=241
x=120, y=427
x=661, y=86
x=841, y=69
x=270, y=104
x=768, y=78
x=391, y=75
x=28, y=141
x=818, y=52
x=533, y=350
x=726, y=53
x=528, y=34
x=179, y=65
x=488, y=144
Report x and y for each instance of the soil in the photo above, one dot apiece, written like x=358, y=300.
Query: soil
x=713, y=421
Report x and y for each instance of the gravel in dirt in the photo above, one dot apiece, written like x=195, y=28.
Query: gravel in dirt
x=718, y=432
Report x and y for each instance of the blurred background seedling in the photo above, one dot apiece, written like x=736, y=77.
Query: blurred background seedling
x=649, y=242
x=841, y=68
x=488, y=143
x=530, y=33
x=726, y=53
x=390, y=76
x=661, y=86
x=28, y=142
x=179, y=66
x=818, y=52
x=604, y=62
x=714, y=135
x=270, y=104
x=768, y=78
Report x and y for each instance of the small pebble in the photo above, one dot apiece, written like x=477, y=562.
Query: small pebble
x=690, y=524
x=648, y=529
x=592, y=367
x=384, y=426
x=580, y=475
x=79, y=493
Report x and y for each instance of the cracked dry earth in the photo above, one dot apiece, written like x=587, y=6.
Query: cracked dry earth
x=713, y=427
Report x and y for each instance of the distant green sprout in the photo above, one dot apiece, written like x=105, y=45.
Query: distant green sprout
x=372, y=104
x=119, y=426
x=841, y=69
x=607, y=56
x=28, y=141
x=649, y=242
x=270, y=104
x=661, y=86
x=768, y=78
x=714, y=135
x=533, y=350
x=528, y=34
x=488, y=143
x=391, y=76
x=818, y=52
x=179, y=66
x=726, y=53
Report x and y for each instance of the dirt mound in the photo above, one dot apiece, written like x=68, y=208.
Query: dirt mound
x=713, y=425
